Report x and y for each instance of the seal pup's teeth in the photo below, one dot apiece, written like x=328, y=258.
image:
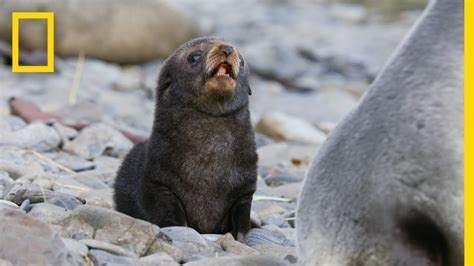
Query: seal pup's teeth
x=221, y=71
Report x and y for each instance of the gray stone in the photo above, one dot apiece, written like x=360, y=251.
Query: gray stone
x=290, y=233
x=95, y=223
x=87, y=177
x=18, y=162
x=289, y=191
x=184, y=234
x=98, y=139
x=333, y=105
x=271, y=155
x=100, y=257
x=90, y=181
x=110, y=248
x=26, y=241
x=22, y=191
x=76, y=246
x=107, y=163
x=49, y=213
x=129, y=80
x=280, y=252
x=158, y=259
x=36, y=136
x=5, y=183
x=228, y=244
x=193, y=248
x=99, y=197
x=66, y=184
x=11, y=123
x=211, y=237
x=279, y=179
x=262, y=140
x=275, y=219
x=163, y=247
x=72, y=162
x=8, y=204
x=64, y=132
x=258, y=236
x=239, y=261
x=254, y=219
x=273, y=209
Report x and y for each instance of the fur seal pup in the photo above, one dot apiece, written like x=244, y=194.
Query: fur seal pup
x=387, y=186
x=199, y=166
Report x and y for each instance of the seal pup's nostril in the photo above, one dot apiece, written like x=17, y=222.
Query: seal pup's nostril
x=227, y=50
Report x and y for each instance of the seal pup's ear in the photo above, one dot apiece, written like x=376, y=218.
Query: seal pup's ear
x=164, y=83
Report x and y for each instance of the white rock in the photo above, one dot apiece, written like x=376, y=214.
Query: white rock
x=36, y=136
x=281, y=126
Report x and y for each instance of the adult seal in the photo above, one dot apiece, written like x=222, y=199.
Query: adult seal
x=199, y=166
x=387, y=186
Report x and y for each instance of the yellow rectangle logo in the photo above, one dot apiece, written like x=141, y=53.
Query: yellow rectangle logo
x=16, y=16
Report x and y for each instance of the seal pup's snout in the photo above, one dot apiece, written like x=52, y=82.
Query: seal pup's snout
x=222, y=61
x=222, y=70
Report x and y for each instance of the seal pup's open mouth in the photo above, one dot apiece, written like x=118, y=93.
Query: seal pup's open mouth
x=223, y=70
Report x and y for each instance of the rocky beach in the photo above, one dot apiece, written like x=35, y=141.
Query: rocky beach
x=310, y=62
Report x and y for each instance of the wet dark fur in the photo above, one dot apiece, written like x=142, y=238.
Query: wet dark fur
x=199, y=166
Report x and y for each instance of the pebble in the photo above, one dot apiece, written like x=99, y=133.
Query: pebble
x=23, y=191
x=40, y=240
x=11, y=123
x=65, y=133
x=99, y=197
x=98, y=139
x=279, y=179
x=72, y=162
x=275, y=219
x=100, y=257
x=49, y=213
x=5, y=183
x=158, y=259
x=228, y=244
x=91, y=222
x=238, y=261
x=274, y=209
x=184, y=234
x=76, y=246
x=167, y=248
x=111, y=248
x=280, y=252
x=8, y=204
x=257, y=236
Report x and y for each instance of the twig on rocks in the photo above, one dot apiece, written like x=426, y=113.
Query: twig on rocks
x=260, y=197
x=77, y=79
x=48, y=160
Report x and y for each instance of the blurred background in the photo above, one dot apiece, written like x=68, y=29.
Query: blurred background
x=310, y=60
x=310, y=63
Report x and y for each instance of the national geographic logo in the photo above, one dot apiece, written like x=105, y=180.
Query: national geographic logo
x=16, y=16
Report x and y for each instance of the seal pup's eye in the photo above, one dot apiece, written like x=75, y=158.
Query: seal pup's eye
x=194, y=57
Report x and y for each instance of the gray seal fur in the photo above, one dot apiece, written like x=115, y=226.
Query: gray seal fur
x=387, y=186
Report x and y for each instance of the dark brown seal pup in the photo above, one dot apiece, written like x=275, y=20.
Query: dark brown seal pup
x=199, y=166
